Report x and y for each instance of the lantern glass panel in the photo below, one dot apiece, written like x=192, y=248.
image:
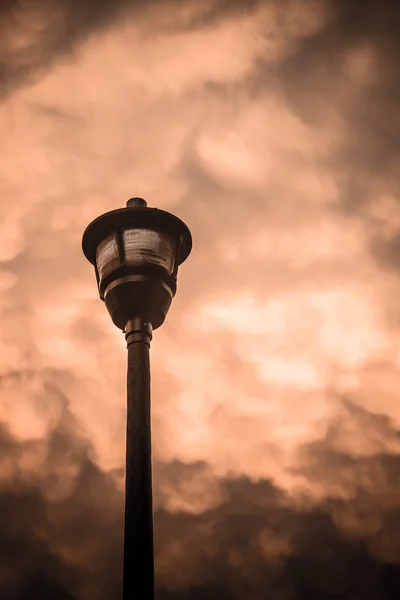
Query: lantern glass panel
x=148, y=246
x=107, y=256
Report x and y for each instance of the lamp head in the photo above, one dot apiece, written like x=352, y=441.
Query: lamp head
x=136, y=252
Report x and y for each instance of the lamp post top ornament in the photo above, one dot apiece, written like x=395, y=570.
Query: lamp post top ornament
x=136, y=202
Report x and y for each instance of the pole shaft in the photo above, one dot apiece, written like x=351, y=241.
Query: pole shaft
x=138, y=579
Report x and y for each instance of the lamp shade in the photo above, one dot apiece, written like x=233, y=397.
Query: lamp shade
x=107, y=256
x=149, y=246
x=136, y=252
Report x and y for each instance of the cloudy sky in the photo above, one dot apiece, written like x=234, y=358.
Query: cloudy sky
x=271, y=128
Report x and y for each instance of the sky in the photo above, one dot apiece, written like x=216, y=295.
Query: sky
x=271, y=128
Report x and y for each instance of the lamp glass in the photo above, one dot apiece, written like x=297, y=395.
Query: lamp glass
x=107, y=256
x=148, y=246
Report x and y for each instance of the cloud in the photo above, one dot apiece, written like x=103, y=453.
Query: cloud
x=344, y=76
x=57, y=507
x=35, y=34
x=261, y=540
x=251, y=539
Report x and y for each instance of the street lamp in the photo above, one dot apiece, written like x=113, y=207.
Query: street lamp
x=136, y=252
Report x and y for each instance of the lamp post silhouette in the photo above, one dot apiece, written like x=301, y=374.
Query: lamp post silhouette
x=136, y=252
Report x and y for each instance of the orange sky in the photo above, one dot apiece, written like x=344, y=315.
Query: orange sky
x=269, y=128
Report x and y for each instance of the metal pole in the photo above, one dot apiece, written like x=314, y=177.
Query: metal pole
x=138, y=579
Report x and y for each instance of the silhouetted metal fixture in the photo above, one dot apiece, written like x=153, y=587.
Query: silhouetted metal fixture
x=136, y=252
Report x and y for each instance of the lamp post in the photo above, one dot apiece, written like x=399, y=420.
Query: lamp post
x=136, y=252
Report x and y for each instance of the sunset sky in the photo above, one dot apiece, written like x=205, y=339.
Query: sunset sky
x=272, y=129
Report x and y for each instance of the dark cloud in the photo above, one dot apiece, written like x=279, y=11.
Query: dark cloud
x=35, y=33
x=318, y=84
x=257, y=543
x=60, y=515
x=216, y=11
